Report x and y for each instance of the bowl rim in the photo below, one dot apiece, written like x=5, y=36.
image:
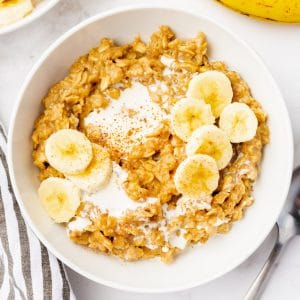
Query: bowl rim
x=65, y=260
x=28, y=19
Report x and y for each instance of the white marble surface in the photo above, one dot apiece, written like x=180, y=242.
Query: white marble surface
x=278, y=45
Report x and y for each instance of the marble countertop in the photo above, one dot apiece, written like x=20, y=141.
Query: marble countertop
x=277, y=44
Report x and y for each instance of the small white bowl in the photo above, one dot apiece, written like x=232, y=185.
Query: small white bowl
x=42, y=7
x=201, y=263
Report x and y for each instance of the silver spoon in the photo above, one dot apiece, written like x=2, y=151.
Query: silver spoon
x=288, y=226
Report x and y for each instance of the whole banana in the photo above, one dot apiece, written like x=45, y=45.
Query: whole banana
x=278, y=10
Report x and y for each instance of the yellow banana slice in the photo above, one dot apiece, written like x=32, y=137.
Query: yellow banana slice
x=212, y=141
x=197, y=176
x=214, y=88
x=97, y=174
x=239, y=122
x=189, y=114
x=68, y=151
x=60, y=198
x=12, y=11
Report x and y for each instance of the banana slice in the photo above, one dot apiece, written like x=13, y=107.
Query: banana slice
x=197, y=176
x=97, y=174
x=212, y=141
x=189, y=114
x=214, y=88
x=239, y=122
x=60, y=198
x=68, y=151
x=12, y=11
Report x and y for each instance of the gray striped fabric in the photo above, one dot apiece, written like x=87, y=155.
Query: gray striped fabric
x=27, y=270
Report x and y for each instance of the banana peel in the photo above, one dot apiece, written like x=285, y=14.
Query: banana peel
x=276, y=10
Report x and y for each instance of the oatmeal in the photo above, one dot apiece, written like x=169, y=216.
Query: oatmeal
x=174, y=147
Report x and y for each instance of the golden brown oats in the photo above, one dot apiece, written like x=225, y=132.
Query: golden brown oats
x=99, y=77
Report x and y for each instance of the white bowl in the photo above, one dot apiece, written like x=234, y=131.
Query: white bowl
x=202, y=263
x=42, y=7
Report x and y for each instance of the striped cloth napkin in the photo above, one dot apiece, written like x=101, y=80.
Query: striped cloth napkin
x=27, y=270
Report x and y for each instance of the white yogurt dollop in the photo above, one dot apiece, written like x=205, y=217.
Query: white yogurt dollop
x=79, y=224
x=113, y=199
x=129, y=119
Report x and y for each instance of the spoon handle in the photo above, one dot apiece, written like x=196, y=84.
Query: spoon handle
x=264, y=275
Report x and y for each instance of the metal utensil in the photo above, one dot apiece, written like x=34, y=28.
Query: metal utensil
x=288, y=226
